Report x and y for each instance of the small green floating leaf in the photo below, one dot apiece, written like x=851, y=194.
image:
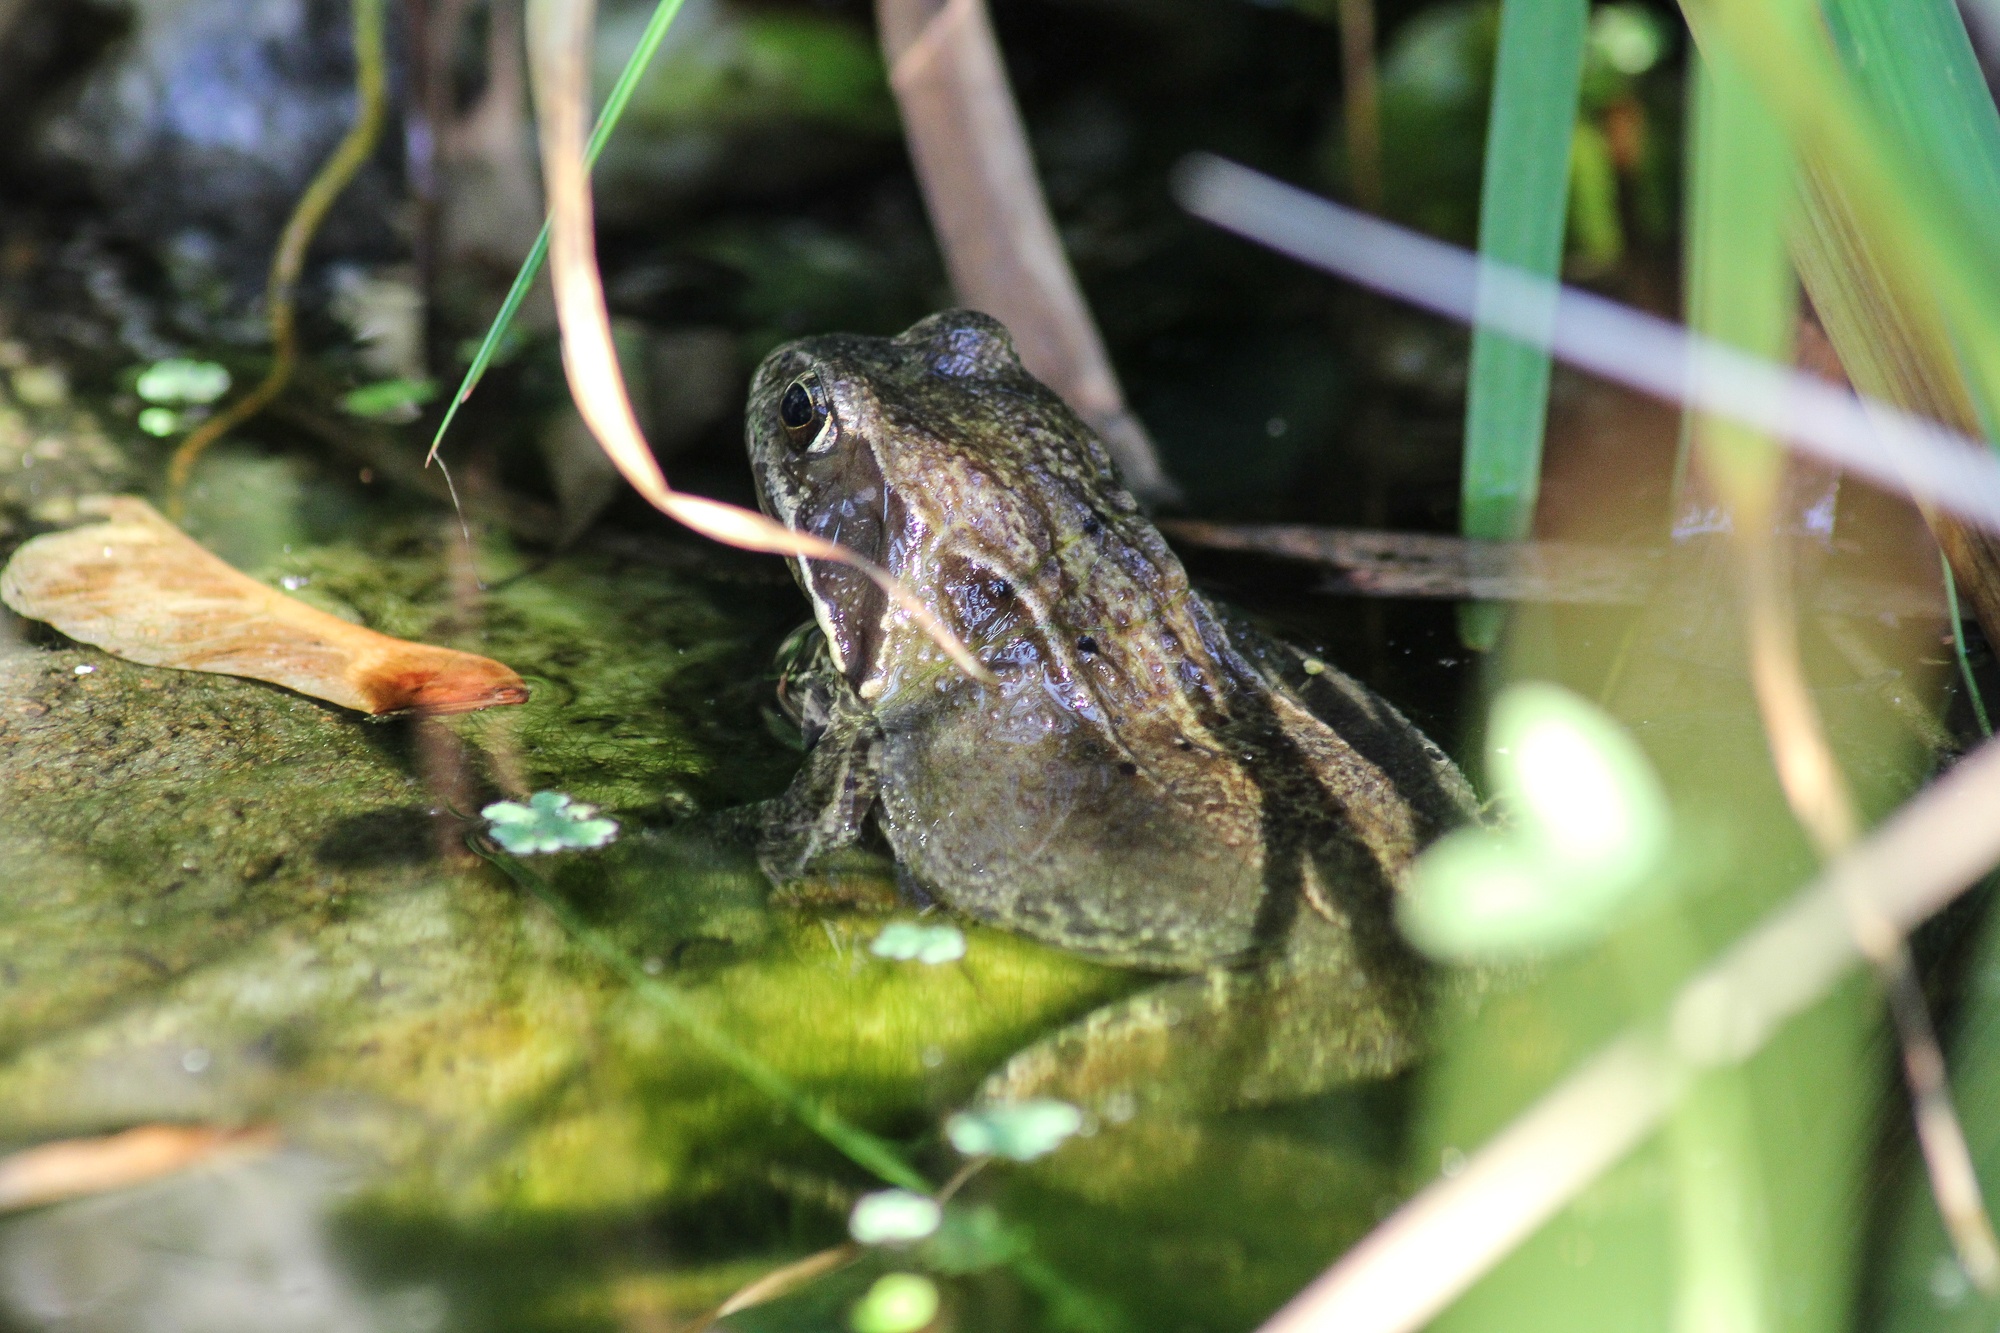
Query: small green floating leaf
x=1481, y=896
x=897, y=1303
x=548, y=822
x=1590, y=828
x=389, y=400
x=159, y=421
x=178, y=381
x=893, y=1217
x=910, y=941
x=1022, y=1130
x=1584, y=793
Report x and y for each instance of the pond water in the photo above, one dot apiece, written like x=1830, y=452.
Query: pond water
x=610, y=1088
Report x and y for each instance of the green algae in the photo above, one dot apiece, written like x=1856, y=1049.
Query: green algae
x=228, y=903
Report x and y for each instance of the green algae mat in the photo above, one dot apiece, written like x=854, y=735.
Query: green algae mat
x=496, y=1091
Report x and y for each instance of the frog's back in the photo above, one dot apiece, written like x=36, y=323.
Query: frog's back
x=1186, y=797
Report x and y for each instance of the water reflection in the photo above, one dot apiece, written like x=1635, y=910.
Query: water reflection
x=240, y=1245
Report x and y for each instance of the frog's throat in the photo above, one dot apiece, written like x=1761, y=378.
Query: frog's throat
x=821, y=618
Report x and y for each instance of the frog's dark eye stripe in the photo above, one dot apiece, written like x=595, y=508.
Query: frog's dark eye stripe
x=802, y=410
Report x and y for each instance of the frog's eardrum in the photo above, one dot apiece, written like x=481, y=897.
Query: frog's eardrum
x=141, y=589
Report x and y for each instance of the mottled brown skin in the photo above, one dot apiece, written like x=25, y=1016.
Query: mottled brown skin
x=1147, y=780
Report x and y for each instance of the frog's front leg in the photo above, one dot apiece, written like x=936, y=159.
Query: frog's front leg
x=1224, y=1038
x=823, y=812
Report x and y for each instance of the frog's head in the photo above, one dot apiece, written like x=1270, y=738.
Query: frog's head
x=824, y=411
x=899, y=448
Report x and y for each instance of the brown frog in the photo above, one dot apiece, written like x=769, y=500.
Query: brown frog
x=1146, y=779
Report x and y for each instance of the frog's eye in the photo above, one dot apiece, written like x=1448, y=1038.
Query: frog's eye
x=802, y=411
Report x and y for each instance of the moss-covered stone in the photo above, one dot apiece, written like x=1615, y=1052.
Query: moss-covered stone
x=225, y=902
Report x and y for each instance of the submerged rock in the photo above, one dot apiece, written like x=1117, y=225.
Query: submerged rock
x=200, y=128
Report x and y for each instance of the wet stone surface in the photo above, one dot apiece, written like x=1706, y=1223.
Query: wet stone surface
x=228, y=904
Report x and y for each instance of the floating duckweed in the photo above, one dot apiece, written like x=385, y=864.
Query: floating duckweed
x=909, y=941
x=1022, y=1130
x=159, y=421
x=389, y=400
x=890, y=1217
x=897, y=1303
x=549, y=822
x=1591, y=829
x=178, y=381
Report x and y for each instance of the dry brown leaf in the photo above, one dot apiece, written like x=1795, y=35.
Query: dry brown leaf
x=141, y=589
x=72, y=1168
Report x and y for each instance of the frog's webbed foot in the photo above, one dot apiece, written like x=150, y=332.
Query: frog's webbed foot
x=1222, y=1039
x=824, y=811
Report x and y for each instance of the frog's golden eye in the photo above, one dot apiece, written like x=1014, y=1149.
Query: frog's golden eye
x=802, y=411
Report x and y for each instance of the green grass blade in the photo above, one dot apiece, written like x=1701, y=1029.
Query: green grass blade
x=1522, y=207
x=1915, y=62
x=1740, y=287
x=1958, y=649
x=1929, y=238
x=1740, y=290
x=531, y=267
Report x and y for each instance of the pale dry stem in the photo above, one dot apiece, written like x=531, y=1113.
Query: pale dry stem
x=559, y=50
x=1817, y=792
x=992, y=221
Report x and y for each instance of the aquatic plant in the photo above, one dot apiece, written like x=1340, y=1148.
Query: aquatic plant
x=914, y=941
x=547, y=822
x=1022, y=1130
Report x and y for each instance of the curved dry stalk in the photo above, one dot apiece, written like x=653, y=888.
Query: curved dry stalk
x=992, y=221
x=559, y=52
x=780, y=1282
x=1438, y=1244
x=289, y=260
x=1818, y=794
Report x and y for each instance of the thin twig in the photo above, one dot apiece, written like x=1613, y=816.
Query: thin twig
x=286, y=265
x=1864, y=436
x=779, y=1282
x=1371, y=563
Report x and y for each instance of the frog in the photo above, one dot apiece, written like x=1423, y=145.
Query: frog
x=1138, y=774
